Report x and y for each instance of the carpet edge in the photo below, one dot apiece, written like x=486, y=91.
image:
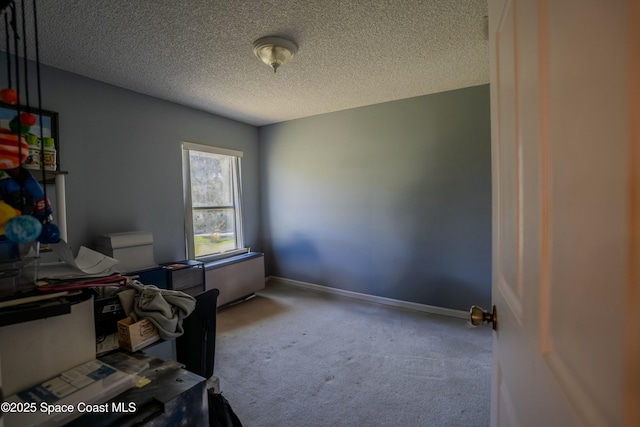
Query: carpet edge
x=459, y=314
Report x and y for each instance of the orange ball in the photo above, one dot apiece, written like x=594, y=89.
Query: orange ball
x=9, y=96
x=9, y=151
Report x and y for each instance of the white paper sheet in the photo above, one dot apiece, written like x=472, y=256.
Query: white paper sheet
x=88, y=263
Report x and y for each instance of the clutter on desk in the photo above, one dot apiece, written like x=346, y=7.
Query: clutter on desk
x=91, y=383
x=165, y=308
x=55, y=286
x=87, y=263
x=172, y=395
x=118, y=296
x=21, y=270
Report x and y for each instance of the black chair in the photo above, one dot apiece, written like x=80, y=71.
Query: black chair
x=195, y=349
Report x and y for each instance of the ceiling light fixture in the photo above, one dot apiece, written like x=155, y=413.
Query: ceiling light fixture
x=274, y=51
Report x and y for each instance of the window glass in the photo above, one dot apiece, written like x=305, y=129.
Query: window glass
x=212, y=178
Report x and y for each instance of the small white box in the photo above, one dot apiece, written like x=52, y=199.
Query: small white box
x=134, y=250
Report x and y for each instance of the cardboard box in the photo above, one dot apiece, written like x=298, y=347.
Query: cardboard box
x=134, y=336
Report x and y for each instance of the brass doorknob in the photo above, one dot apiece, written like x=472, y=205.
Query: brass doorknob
x=478, y=316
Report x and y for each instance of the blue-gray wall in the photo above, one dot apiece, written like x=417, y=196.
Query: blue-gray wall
x=392, y=200
x=123, y=154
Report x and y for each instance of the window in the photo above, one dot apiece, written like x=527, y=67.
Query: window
x=212, y=201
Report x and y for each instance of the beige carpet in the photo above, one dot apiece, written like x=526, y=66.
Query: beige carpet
x=291, y=358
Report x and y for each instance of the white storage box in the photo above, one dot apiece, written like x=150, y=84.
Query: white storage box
x=133, y=249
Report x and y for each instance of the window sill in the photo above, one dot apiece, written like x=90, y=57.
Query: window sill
x=222, y=256
x=208, y=265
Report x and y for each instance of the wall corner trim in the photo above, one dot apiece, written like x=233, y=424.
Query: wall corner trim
x=459, y=314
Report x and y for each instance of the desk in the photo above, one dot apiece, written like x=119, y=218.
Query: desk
x=174, y=397
x=35, y=351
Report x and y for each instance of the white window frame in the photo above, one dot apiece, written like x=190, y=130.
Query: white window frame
x=237, y=199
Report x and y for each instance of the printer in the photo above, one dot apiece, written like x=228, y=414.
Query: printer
x=134, y=249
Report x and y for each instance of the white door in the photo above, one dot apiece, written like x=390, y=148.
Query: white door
x=565, y=110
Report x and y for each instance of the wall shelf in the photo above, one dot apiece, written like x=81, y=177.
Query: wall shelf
x=49, y=176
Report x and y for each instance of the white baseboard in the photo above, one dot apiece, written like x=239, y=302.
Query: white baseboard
x=371, y=298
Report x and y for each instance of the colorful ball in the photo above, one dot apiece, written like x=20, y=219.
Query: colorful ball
x=18, y=127
x=23, y=229
x=27, y=119
x=6, y=213
x=9, y=96
x=50, y=233
x=9, y=151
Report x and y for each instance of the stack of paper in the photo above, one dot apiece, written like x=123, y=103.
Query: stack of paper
x=88, y=263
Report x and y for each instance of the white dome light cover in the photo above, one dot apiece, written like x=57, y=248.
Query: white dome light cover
x=274, y=51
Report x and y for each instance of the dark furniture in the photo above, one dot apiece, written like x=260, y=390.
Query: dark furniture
x=186, y=276
x=174, y=396
x=196, y=347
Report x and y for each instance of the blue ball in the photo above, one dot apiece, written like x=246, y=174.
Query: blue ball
x=50, y=233
x=23, y=229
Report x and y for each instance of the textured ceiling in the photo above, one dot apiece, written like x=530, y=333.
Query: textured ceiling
x=199, y=53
